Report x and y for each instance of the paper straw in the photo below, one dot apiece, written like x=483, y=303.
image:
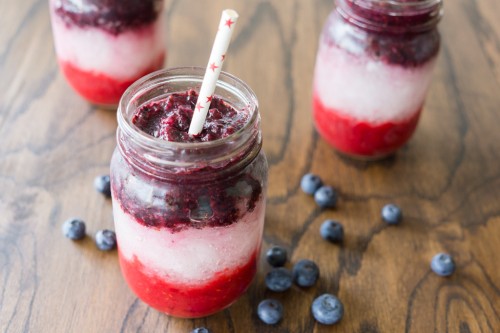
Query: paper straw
x=217, y=57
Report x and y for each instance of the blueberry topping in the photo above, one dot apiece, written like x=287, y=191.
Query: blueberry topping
x=102, y=185
x=391, y=214
x=405, y=49
x=276, y=256
x=219, y=203
x=74, y=228
x=326, y=197
x=105, y=239
x=327, y=309
x=114, y=16
x=442, y=264
x=279, y=279
x=310, y=183
x=169, y=118
x=332, y=231
x=200, y=330
x=270, y=311
x=305, y=273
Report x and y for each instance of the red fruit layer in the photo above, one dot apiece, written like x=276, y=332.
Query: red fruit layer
x=187, y=300
x=356, y=137
x=99, y=88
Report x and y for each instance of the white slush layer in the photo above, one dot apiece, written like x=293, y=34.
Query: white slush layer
x=190, y=255
x=367, y=89
x=123, y=56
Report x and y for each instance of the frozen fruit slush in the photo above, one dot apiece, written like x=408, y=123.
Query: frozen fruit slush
x=189, y=239
x=104, y=46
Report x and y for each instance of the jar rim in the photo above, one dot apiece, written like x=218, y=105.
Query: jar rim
x=139, y=87
x=392, y=4
x=392, y=15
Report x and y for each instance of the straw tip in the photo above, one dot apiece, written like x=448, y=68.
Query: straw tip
x=231, y=13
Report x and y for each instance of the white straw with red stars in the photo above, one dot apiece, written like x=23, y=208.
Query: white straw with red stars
x=221, y=43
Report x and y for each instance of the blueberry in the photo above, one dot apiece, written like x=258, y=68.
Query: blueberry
x=200, y=330
x=74, y=228
x=105, y=239
x=327, y=309
x=442, y=264
x=310, y=183
x=279, y=279
x=391, y=214
x=270, y=311
x=326, y=197
x=102, y=185
x=305, y=273
x=332, y=231
x=276, y=256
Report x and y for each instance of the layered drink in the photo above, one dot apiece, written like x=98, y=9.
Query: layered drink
x=373, y=69
x=104, y=45
x=188, y=210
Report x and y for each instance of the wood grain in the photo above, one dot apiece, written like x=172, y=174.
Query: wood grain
x=447, y=180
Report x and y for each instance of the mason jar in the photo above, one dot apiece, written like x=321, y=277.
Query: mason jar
x=189, y=216
x=373, y=69
x=103, y=46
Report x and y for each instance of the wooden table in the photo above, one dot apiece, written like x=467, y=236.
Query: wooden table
x=447, y=180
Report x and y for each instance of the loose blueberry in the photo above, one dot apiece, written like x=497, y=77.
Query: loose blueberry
x=200, y=330
x=391, y=214
x=332, y=231
x=305, y=273
x=102, y=185
x=270, y=311
x=74, y=228
x=279, y=279
x=310, y=183
x=326, y=197
x=276, y=256
x=327, y=309
x=105, y=239
x=442, y=264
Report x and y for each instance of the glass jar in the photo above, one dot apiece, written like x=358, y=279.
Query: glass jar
x=373, y=69
x=104, y=45
x=189, y=217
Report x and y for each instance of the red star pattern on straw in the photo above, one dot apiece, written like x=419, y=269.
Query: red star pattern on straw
x=213, y=66
x=229, y=23
x=217, y=56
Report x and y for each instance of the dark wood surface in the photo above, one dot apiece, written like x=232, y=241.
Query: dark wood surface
x=447, y=180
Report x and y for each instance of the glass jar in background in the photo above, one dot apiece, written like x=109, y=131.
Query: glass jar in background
x=373, y=69
x=189, y=216
x=104, y=46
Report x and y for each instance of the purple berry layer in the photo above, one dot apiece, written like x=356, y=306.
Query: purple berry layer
x=114, y=16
